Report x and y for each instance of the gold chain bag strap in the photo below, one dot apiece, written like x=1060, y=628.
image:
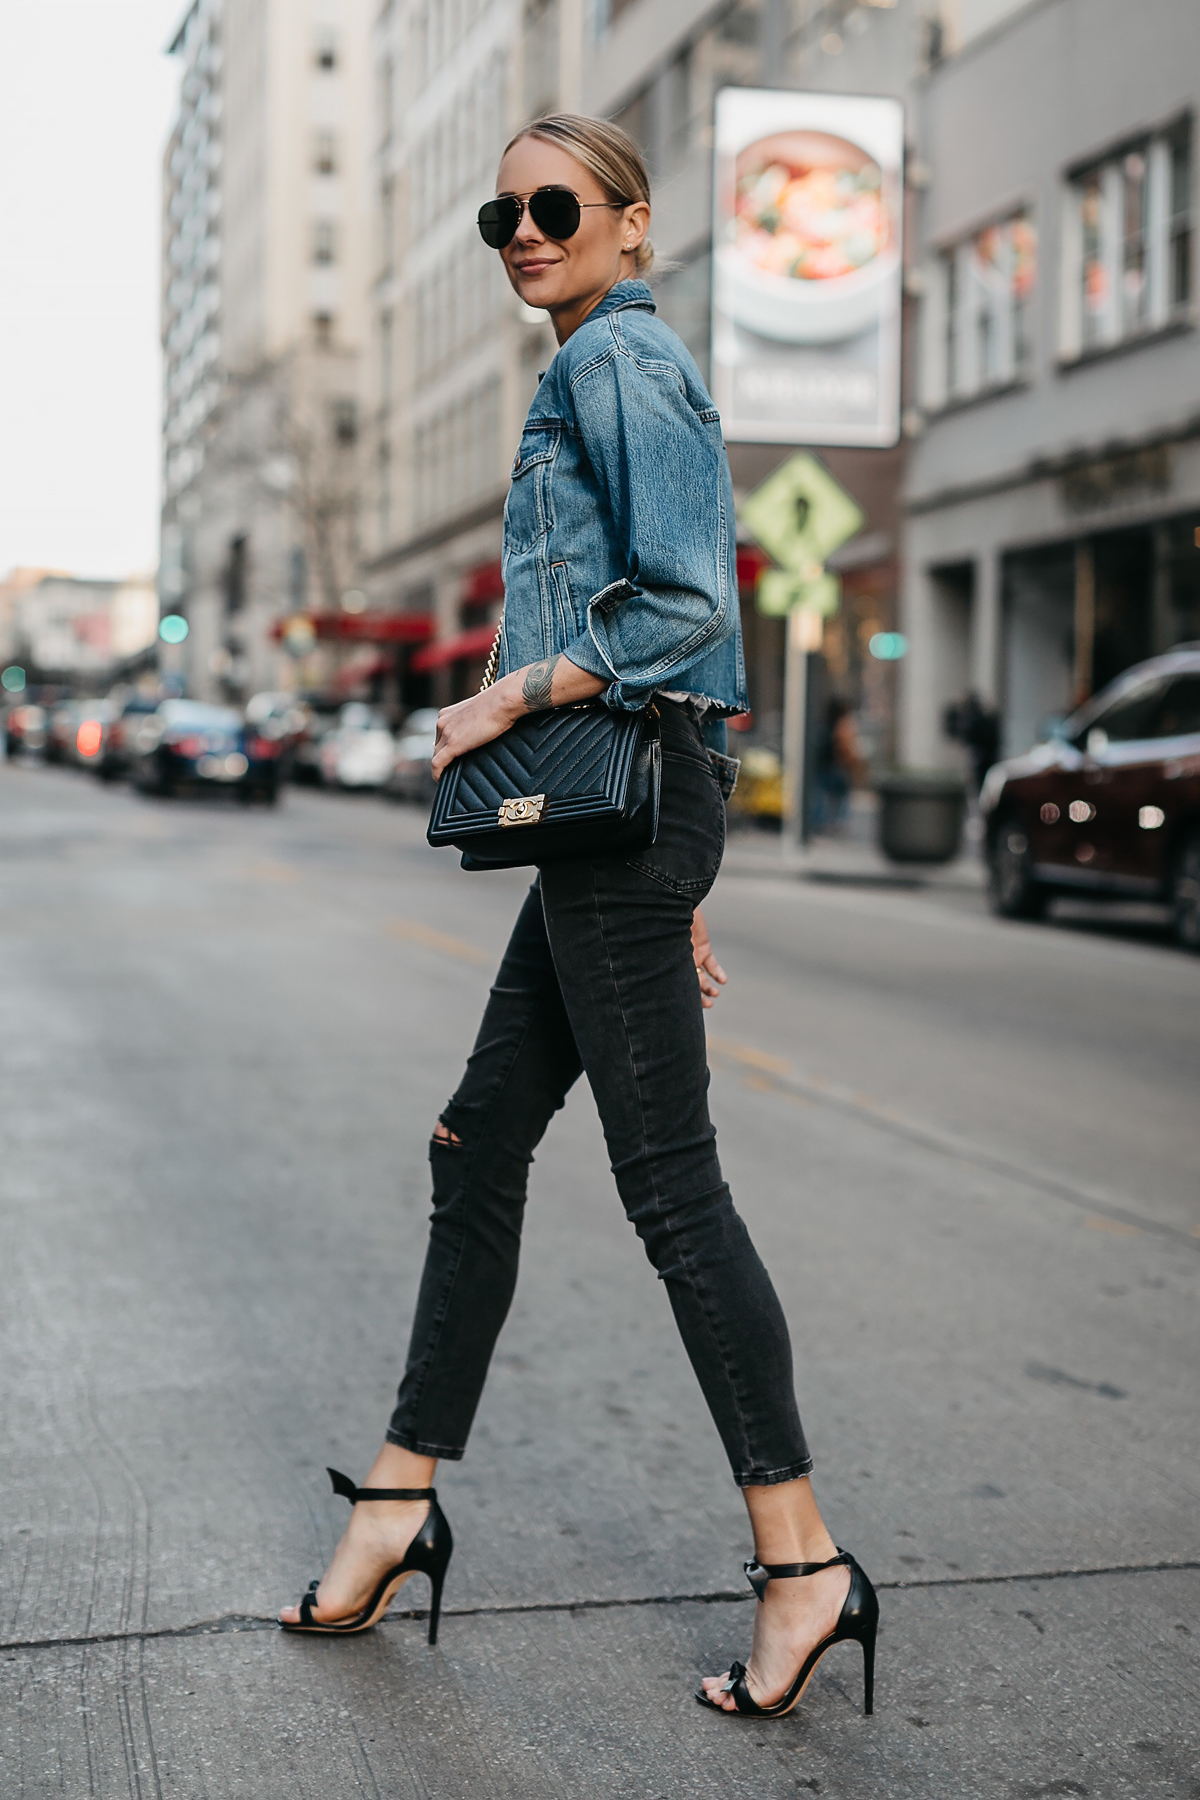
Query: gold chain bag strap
x=569, y=781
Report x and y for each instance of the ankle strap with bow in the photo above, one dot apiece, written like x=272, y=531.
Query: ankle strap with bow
x=759, y=1574
x=343, y=1485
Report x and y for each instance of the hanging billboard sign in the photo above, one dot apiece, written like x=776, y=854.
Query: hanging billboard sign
x=808, y=195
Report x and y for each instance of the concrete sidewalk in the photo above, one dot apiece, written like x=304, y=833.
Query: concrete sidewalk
x=850, y=856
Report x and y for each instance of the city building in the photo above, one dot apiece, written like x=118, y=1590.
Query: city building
x=265, y=233
x=66, y=630
x=455, y=354
x=456, y=357
x=1053, y=491
x=656, y=66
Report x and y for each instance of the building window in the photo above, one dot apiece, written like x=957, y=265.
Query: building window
x=322, y=323
x=1128, y=243
x=344, y=418
x=384, y=495
x=235, y=574
x=541, y=52
x=325, y=153
x=325, y=50
x=324, y=241
x=985, y=288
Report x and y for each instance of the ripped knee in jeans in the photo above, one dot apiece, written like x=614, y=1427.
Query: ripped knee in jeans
x=442, y=1134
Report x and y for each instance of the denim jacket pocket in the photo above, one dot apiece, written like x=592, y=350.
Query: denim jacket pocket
x=528, y=511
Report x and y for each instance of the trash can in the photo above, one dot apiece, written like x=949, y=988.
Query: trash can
x=921, y=816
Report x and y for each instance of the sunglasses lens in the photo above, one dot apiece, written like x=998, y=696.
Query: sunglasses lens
x=498, y=221
x=555, y=211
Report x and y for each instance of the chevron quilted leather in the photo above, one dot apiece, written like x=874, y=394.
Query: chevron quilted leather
x=598, y=770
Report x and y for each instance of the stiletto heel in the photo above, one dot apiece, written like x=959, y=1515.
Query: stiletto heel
x=428, y=1554
x=858, y=1621
x=868, y=1645
x=435, y=1605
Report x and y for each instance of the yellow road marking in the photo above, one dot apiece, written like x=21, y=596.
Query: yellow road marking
x=750, y=1059
x=412, y=932
x=765, y=1072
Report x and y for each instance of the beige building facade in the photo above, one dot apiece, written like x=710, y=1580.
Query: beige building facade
x=265, y=276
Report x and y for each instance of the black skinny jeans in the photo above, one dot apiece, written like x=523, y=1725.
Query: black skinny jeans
x=598, y=976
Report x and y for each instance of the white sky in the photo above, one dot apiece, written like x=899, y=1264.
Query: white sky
x=86, y=95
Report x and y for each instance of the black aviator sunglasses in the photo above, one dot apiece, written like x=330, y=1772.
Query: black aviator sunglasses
x=554, y=210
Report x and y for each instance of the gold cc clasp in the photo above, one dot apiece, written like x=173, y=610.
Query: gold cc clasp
x=522, y=812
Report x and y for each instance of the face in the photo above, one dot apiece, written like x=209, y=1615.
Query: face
x=579, y=270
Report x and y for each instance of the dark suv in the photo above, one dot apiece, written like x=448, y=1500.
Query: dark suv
x=1110, y=804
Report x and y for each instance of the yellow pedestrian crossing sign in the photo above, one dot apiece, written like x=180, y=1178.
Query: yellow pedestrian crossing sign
x=800, y=515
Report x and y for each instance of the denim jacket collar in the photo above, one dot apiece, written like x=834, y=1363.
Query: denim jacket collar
x=624, y=293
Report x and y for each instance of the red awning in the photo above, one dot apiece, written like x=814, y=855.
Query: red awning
x=363, y=628
x=468, y=646
x=485, y=582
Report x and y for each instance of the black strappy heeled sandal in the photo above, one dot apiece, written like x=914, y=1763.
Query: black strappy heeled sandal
x=858, y=1620
x=428, y=1554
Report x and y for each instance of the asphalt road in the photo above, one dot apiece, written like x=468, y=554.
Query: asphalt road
x=968, y=1152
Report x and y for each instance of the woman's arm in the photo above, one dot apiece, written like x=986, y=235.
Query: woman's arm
x=661, y=469
x=535, y=688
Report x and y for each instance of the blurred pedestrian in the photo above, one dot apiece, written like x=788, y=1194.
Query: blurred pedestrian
x=838, y=763
x=975, y=723
x=621, y=510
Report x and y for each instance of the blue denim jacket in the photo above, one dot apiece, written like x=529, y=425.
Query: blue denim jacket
x=620, y=544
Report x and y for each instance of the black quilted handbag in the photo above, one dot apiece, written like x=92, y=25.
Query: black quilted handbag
x=570, y=781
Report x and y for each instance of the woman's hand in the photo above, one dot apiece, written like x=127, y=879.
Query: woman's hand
x=473, y=722
x=712, y=975
x=535, y=688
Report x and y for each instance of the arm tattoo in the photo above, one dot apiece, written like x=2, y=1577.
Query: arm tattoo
x=539, y=679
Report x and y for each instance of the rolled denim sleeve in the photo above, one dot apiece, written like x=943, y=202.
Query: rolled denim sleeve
x=663, y=472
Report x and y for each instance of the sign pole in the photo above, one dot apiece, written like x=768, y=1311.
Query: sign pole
x=803, y=636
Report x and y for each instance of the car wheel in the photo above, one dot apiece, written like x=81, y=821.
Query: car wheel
x=1185, y=893
x=1012, y=889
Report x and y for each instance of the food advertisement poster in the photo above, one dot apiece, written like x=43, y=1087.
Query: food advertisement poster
x=808, y=195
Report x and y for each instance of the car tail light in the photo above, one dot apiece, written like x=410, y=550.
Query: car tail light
x=88, y=737
x=188, y=746
x=261, y=748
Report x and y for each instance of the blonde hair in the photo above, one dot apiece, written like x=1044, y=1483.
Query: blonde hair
x=609, y=153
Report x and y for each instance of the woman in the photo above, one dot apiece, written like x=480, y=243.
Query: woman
x=620, y=580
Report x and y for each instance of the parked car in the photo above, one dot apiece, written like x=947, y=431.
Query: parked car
x=25, y=728
x=306, y=757
x=360, y=752
x=284, y=718
x=116, y=746
x=1110, y=804
x=186, y=743
x=62, y=722
x=92, y=720
x=412, y=778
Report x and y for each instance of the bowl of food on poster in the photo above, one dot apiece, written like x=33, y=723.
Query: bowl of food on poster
x=810, y=250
